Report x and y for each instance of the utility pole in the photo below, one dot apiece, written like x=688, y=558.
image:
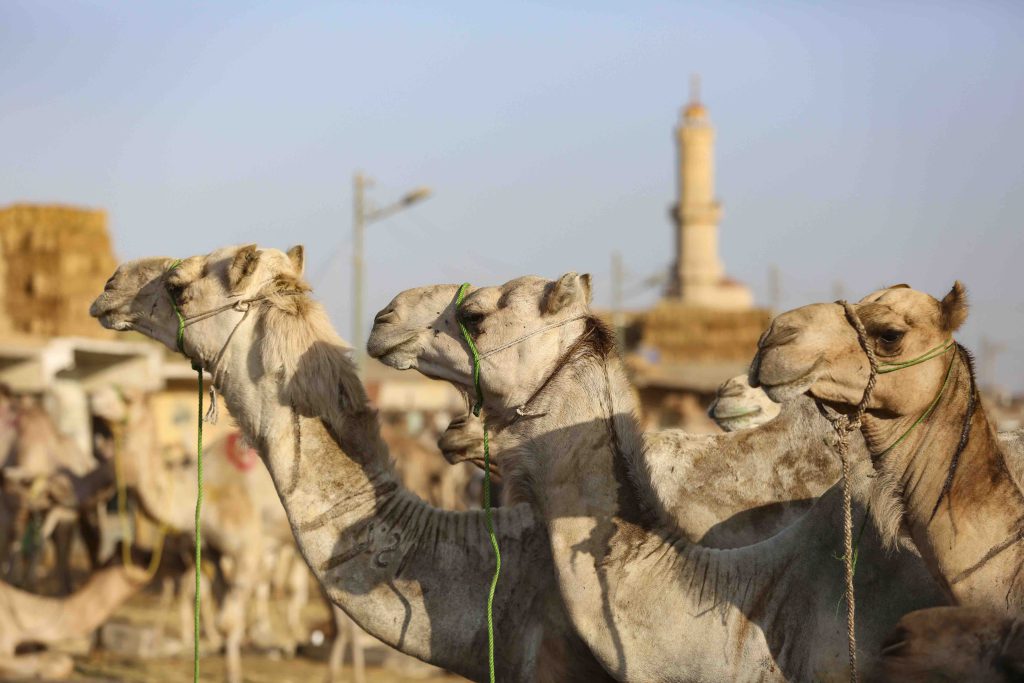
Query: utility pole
x=838, y=290
x=358, y=229
x=774, y=288
x=618, y=275
x=362, y=214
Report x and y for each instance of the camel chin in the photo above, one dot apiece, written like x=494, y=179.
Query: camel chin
x=734, y=421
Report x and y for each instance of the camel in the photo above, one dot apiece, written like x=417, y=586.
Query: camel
x=650, y=604
x=719, y=490
x=33, y=619
x=955, y=644
x=45, y=474
x=411, y=575
x=241, y=519
x=737, y=405
x=939, y=463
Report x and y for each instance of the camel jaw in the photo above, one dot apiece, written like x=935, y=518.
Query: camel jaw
x=400, y=356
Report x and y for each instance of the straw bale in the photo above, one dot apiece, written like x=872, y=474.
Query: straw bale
x=53, y=261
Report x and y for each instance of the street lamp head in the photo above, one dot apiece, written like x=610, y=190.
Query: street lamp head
x=417, y=195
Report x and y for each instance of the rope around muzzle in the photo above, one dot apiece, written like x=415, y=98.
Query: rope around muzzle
x=844, y=425
x=478, y=403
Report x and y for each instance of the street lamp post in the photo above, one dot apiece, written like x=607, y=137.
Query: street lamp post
x=361, y=216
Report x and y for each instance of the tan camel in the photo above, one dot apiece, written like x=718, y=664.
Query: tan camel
x=938, y=460
x=33, y=619
x=649, y=604
x=413, y=576
x=955, y=644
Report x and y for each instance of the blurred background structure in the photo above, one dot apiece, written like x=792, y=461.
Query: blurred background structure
x=855, y=146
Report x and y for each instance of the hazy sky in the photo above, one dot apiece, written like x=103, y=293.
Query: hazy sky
x=861, y=145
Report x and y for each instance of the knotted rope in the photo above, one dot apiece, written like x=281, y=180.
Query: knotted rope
x=477, y=405
x=844, y=424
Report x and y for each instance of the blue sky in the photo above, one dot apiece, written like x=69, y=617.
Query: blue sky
x=861, y=145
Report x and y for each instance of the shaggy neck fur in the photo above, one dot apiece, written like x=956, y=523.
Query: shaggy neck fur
x=971, y=536
x=650, y=604
x=413, y=576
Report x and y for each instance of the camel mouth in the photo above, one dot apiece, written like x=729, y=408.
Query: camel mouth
x=400, y=355
x=734, y=414
x=781, y=392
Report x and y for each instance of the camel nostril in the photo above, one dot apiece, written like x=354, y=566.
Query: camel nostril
x=777, y=337
x=385, y=316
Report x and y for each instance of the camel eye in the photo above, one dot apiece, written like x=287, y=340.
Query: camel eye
x=471, y=319
x=175, y=290
x=891, y=336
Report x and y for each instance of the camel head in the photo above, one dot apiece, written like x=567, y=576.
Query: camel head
x=815, y=349
x=738, y=405
x=139, y=295
x=521, y=329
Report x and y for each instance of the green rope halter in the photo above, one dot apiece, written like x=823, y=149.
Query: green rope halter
x=884, y=368
x=199, y=478
x=477, y=405
x=931, y=406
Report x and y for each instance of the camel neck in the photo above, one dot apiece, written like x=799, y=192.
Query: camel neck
x=964, y=510
x=623, y=564
x=411, y=575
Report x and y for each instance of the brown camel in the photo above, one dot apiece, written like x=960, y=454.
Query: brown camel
x=556, y=392
x=939, y=462
x=33, y=619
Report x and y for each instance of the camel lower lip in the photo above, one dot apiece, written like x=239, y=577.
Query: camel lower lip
x=385, y=356
x=742, y=413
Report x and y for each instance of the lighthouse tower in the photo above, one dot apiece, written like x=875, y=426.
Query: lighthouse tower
x=698, y=277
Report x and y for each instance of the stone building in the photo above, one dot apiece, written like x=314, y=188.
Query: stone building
x=705, y=329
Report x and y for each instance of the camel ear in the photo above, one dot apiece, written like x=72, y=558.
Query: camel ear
x=297, y=255
x=567, y=290
x=243, y=266
x=954, y=308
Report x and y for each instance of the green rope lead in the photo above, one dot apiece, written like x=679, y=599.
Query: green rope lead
x=477, y=405
x=199, y=533
x=199, y=482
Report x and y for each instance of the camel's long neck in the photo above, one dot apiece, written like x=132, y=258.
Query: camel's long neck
x=965, y=511
x=622, y=569
x=162, y=493
x=411, y=575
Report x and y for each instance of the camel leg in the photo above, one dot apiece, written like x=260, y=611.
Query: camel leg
x=358, y=658
x=63, y=537
x=89, y=530
x=232, y=616
x=336, y=660
x=186, y=610
x=298, y=585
